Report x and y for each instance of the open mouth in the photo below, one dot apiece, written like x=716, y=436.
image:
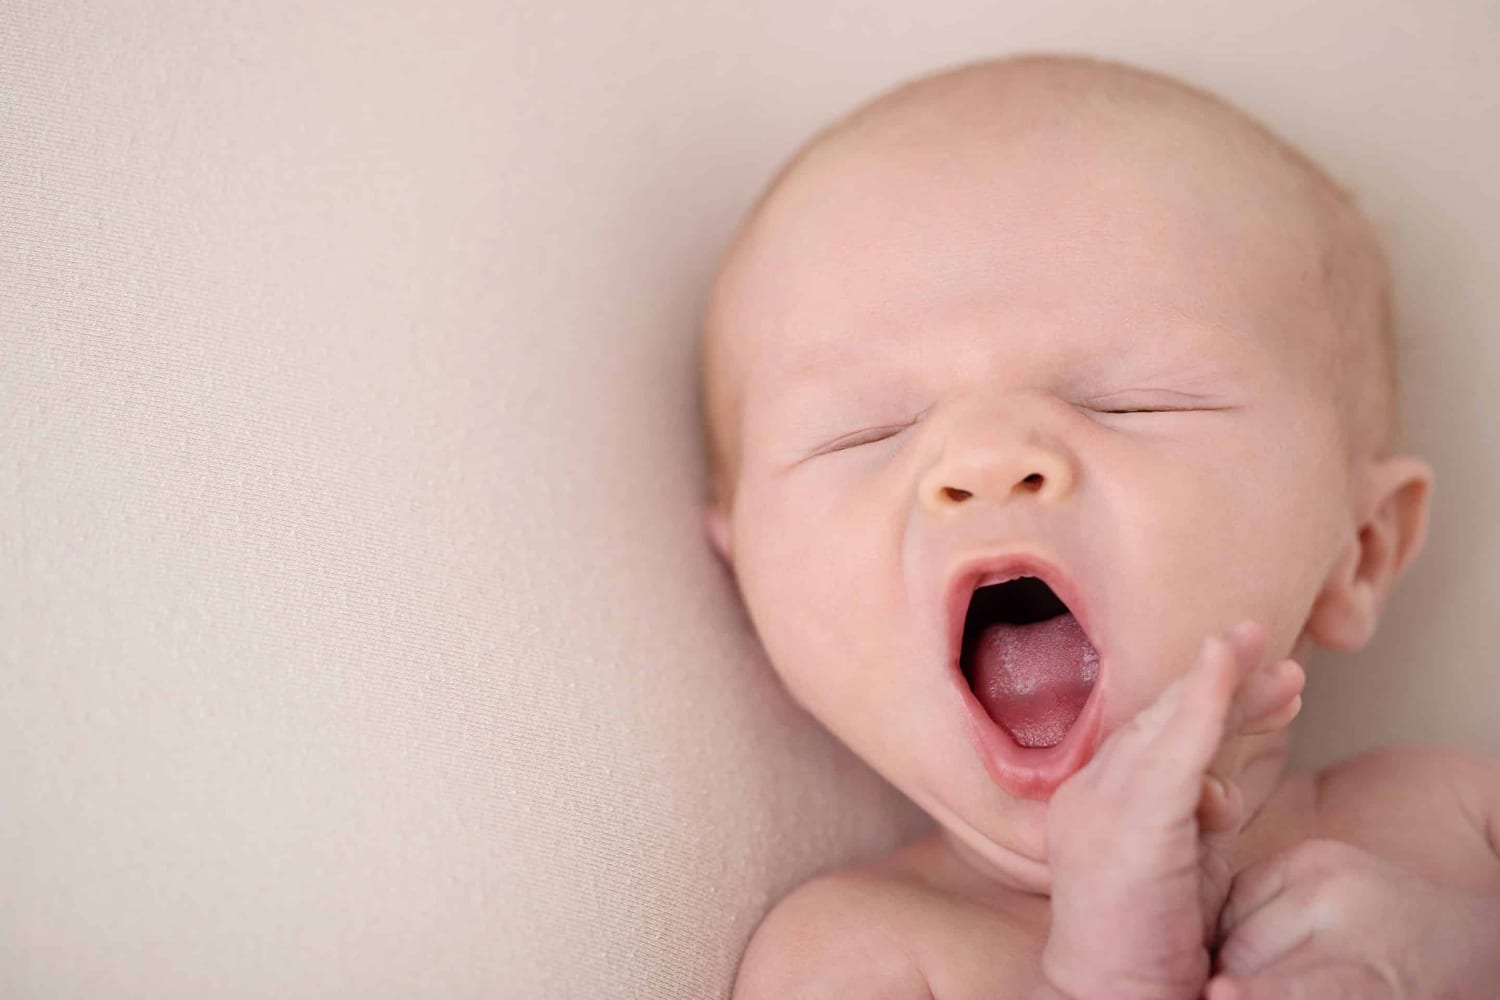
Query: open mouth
x=1027, y=660
x=1023, y=660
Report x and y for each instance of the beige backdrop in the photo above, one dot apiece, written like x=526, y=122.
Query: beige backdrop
x=357, y=633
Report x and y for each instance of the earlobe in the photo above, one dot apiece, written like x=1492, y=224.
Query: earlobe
x=716, y=524
x=1342, y=617
x=1398, y=497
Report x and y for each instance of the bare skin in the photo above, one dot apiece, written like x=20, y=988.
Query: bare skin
x=933, y=920
x=970, y=938
x=1118, y=337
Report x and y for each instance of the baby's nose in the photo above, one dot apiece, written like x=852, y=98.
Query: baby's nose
x=997, y=470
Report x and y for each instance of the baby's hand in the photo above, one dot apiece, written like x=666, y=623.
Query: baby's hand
x=1326, y=918
x=1139, y=840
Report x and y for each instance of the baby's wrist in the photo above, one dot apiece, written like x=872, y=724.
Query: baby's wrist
x=1071, y=976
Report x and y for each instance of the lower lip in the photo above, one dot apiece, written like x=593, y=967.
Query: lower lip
x=1032, y=772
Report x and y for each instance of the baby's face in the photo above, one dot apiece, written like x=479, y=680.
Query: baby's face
x=1112, y=358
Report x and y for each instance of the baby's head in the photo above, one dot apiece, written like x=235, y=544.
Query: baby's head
x=1062, y=318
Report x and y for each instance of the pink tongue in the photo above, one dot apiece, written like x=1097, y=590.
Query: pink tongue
x=1033, y=679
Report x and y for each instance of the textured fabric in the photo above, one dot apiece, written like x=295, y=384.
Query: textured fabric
x=358, y=635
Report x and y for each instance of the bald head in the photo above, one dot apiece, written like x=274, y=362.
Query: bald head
x=999, y=104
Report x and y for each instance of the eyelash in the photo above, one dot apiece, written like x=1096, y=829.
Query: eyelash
x=857, y=442
x=893, y=431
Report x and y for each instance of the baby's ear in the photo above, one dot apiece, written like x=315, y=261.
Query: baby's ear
x=716, y=523
x=1398, y=496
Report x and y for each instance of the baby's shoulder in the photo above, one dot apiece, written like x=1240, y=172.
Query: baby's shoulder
x=890, y=929
x=1432, y=808
x=836, y=934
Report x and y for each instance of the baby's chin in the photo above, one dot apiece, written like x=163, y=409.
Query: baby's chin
x=1012, y=859
x=999, y=836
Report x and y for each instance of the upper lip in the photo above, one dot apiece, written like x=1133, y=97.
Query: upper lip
x=986, y=568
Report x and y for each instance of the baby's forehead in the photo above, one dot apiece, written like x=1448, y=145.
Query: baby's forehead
x=1112, y=198
x=891, y=248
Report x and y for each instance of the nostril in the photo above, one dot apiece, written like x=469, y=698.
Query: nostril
x=1034, y=482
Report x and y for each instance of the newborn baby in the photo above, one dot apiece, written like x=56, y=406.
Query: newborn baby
x=1052, y=414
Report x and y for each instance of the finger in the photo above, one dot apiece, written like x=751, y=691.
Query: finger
x=1159, y=754
x=1167, y=747
x=1253, y=888
x=1278, y=718
x=1121, y=759
x=1309, y=954
x=1274, y=690
x=1269, y=934
x=1224, y=661
x=1191, y=726
x=1221, y=806
x=1271, y=697
x=1313, y=982
x=1248, y=638
x=1197, y=724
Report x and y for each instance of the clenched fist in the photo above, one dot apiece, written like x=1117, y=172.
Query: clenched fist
x=1328, y=919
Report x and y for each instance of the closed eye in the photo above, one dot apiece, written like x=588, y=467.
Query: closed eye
x=1155, y=410
x=874, y=435
x=867, y=436
x=861, y=438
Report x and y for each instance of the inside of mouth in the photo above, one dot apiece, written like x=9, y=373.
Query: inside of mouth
x=1027, y=660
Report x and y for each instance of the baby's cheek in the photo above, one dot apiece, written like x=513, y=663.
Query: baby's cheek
x=783, y=588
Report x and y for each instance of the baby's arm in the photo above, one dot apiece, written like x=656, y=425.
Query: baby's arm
x=1479, y=787
x=1139, y=840
x=1328, y=918
x=830, y=940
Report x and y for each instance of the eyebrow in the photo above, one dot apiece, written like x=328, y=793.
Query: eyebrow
x=1186, y=350
x=819, y=360
x=864, y=381
x=880, y=354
